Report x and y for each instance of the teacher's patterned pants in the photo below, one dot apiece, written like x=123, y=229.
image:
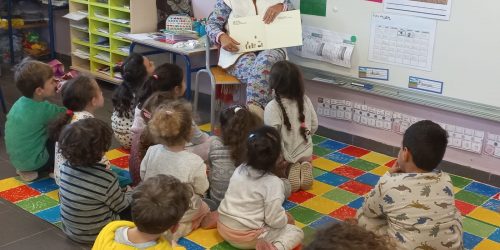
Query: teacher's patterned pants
x=253, y=69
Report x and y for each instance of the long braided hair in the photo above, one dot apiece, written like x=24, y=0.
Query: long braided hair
x=286, y=81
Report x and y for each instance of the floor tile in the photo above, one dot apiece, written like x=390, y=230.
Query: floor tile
x=121, y=162
x=319, y=188
x=332, y=179
x=287, y=205
x=9, y=183
x=368, y=178
x=323, y=222
x=18, y=224
x=356, y=187
x=309, y=233
x=487, y=245
x=478, y=228
x=205, y=238
x=317, y=171
x=51, y=215
x=356, y=204
x=486, y=215
x=354, y=151
x=44, y=185
x=304, y=215
x=363, y=165
x=300, y=196
x=495, y=236
x=318, y=139
x=381, y=170
x=113, y=154
x=378, y=158
x=325, y=164
x=19, y=193
x=339, y=157
x=341, y=196
x=464, y=207
x=472, y=198
x=344, y=213
x=223, y=246
x=482, y=189
x=189, y=244
x=332, y=145
x=470, y=241
x=320, y=151
x=37, y=203
x=205, y=127
x=390, y=163
x=459, y=181
x=322, y=205
x=348, y=171
x=47, y=239
x=53, y=194
x=492, y=204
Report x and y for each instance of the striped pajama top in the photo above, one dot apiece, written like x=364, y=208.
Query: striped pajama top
x=90, y=198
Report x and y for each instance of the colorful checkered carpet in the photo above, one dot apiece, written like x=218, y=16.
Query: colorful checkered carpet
x=342, y=174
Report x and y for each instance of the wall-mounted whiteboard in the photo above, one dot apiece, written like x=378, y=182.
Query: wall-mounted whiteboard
x=465, y=58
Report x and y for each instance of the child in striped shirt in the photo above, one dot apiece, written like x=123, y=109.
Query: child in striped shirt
x=89, y=193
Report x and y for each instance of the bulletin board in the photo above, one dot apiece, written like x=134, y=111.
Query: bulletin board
x=466, y=53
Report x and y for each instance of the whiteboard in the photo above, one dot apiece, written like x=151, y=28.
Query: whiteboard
x=466, y=51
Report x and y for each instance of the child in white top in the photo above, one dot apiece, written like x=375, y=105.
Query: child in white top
x=292, y=114
x=251, y=215
x=81, y=96
x=170, y=125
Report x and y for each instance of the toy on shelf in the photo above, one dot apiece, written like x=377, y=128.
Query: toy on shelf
x=33, y=46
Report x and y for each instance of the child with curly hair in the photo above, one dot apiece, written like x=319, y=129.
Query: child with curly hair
x=89, y=193
x=170, y=126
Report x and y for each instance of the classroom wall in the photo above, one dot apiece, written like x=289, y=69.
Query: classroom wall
x=61, y=28
x=476, y=161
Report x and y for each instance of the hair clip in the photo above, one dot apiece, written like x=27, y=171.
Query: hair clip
x=169, y=112
x=146, y=114
x=237, y=108
x=252, y=136
x=303, y=125
x=155, y=77
x=69, y=112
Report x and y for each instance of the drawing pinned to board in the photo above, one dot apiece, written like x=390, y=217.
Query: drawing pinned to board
x=325, y=45
x=435, y=9
x=313, y=7
x=425, y=84
x=402, y=40
x=373, y=73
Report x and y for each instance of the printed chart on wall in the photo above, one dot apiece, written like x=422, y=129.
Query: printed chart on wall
x=435, y=9
x=326, y=45
x=402, y=40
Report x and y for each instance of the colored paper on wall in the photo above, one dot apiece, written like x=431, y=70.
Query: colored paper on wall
x=313, y=7
x=377, y=1
x=425, y=84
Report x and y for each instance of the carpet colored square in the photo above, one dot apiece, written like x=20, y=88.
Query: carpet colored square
x=343, y=173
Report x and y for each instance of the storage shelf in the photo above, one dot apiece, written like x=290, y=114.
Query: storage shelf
x=80, y=1
x=120, y=9
x=98, y=75
x=29, y=26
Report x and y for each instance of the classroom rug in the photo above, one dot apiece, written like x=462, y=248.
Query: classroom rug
x=342, y=175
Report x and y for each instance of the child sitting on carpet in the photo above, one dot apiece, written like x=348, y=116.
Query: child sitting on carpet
x=251, y=214
x=158, y=204
x=229, y=150
x=81, y=96
x=168, y=80
x=293, y=115
x=414, y=203
x=171, y=126
x=26, y=136
x=89, y=193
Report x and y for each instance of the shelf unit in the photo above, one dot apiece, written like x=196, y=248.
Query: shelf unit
x=101, y=26
x=49, y=24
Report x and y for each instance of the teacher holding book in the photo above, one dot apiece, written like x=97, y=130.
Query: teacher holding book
x=251, y=68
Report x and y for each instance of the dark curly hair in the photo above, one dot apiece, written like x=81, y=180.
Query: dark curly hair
x=263, y=149
x=84, y=142
x=236, y=122
x=134, y=74
x=159, y=203
x=165, y=78
x=345, y=236
x=287, y=82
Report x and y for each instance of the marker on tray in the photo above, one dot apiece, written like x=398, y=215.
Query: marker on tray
x=366, y=86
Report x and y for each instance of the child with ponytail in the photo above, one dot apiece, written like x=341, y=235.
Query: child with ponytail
x=229, y=150
x=134, y=70
x=171, y=127
x=292, y=114
x=82, y=97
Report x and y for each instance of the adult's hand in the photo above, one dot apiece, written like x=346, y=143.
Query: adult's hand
x=272, y=12
x=228, y=43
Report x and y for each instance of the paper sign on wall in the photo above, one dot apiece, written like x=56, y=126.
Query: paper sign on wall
x=435, y=9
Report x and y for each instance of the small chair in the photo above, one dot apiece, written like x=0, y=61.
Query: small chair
x=218, y=76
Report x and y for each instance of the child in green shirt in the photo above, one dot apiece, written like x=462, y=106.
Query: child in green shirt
x=26, y=136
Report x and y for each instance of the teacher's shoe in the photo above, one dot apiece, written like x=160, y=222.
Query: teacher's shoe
x=256, y=110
